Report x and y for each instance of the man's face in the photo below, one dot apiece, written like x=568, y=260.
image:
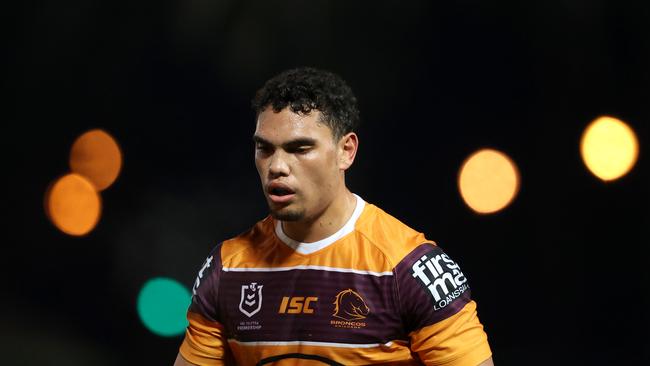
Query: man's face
x=298, y=163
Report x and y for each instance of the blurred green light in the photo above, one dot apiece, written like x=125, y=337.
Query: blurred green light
x=162, y=306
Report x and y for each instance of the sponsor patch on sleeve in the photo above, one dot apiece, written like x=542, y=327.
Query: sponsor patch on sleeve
x=206, y=285
x=207, y=272
x=440, y=277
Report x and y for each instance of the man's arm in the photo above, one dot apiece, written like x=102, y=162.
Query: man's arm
x=180, y=361
x=439, y=313
x=487, y=362
x=205, y=342
x=458, y=340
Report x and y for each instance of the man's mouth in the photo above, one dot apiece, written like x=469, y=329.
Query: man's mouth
x=279, y=193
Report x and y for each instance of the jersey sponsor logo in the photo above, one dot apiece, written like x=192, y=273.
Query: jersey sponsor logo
x=441, y=276
x=251, y=299
x=297, y=305
x=351, y=308
x=199, y=277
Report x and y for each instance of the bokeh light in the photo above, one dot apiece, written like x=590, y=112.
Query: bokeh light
x=162, y=306
x=73, y=205
x=609, y=148
x=488, y=181
x=96, y=155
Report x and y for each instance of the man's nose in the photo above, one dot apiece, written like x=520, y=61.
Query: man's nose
x=278, y=165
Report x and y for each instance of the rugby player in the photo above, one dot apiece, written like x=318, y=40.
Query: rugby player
x=327, y=278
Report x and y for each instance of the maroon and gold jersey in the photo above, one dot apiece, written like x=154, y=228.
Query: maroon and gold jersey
x=375, y=292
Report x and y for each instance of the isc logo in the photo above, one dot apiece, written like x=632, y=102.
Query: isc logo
x=297, y=305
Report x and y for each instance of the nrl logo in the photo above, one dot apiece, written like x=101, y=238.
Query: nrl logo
x=251, y=299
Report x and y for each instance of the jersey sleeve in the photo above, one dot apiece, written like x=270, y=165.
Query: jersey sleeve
x=205, y=341
x=437, y=310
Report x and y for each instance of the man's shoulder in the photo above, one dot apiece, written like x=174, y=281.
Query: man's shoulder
x=258, y=235
x=388, y=234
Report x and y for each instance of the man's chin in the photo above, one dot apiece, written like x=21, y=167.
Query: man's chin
x=287, y=215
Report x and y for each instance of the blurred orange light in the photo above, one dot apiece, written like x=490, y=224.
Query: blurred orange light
x=609, y=148
x=96, y=156
x=73, y=205
x=488, y=181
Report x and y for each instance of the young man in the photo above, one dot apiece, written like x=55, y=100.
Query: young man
x=326, y=278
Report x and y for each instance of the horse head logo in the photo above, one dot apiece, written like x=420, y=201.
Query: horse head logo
x=349, y=306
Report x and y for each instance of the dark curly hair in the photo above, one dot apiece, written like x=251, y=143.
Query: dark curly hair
x=305, y=89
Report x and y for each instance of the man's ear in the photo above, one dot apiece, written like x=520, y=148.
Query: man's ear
x=347, y=150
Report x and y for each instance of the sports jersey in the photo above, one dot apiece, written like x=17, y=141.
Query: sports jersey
x=375, y=292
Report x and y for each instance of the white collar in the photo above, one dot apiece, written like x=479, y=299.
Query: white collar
x=308, y=248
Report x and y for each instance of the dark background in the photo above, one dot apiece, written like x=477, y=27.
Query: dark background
x=561, y=276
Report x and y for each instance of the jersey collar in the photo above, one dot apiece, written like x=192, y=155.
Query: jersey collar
x=308, y=248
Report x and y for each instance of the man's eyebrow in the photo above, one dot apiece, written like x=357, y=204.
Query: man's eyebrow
x=301, y=141
x=260, y=140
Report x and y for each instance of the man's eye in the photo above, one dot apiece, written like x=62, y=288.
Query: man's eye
x=301, y=149
x=263, y=148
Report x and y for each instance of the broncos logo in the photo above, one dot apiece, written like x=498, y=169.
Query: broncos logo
x=349, y=306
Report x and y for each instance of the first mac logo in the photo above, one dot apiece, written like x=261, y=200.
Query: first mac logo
x=251, y=299
x=441, y=276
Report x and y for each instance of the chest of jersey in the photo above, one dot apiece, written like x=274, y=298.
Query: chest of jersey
x=309, y=303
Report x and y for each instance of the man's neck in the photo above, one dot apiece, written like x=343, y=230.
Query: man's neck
x=326, y=224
